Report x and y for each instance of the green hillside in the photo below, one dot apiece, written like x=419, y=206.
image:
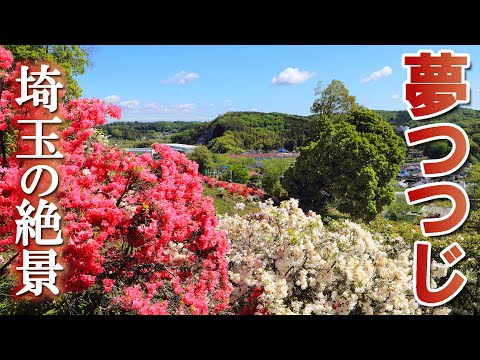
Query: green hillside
x=143, y=134
x=467, y=119
x=234, y=132
x=238, y=131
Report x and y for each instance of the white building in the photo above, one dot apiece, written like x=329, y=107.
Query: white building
x=140, y=150
x=183, y=148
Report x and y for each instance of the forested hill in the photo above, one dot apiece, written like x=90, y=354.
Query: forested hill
x=238, y=131
x=467, y=119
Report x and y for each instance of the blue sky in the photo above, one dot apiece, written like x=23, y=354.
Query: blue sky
x=197, y=83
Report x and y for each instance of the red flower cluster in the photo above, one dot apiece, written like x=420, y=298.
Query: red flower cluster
x=139, y=226
x=4, y=109
x=252, y=303
x=6, y=59
x=136, y=227
x=9, y=196
x=10, y=174
x=234, y=188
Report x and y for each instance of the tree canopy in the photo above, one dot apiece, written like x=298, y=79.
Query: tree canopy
x=273, y=171
x=238, y=131
x=467, y=119
x=237, y=173
x=203, y=157
x=73, y=59
x=348, y=166
x=334, y=100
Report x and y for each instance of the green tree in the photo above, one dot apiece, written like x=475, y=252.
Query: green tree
x=117, y=133
x=273, y=171
x=227, y=143
x=236, y=172
x=437, y=149
x=473, y=188
x=334, y=100
x=348, y=166
x=73, y=59
x=203, y=157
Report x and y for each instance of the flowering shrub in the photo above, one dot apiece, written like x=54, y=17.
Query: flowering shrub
x=140, y=228
x=6, y=59
x=285, y=262
x=10, y=113
x=234, y=188
x=138, y=235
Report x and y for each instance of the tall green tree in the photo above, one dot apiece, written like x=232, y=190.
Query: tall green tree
x=203, y=157
x=334, y=100
x=348, y=166
x=73, y=59
x=273, y=171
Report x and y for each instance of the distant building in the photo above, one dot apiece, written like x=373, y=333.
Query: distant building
x=402, y=128
x=404, y=174
x=421, y=182
x=413, y=167
x=261, y=156
x=140, y=150
x=183, y=148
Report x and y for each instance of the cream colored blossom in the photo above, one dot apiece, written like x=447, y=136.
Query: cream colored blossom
x=306, y=269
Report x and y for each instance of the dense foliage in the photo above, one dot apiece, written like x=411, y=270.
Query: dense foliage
x=333, y=101
x=141, y=131
x=348, y=166
x=467, y=119
x=273, y=171
x=203, y=157
x=139, y=237
x=73, y=59
x=239, y=131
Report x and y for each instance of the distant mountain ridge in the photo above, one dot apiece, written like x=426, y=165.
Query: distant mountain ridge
x=235, y=132
x=467, y=119
x=238, y=131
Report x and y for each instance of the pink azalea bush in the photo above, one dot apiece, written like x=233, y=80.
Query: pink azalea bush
x=139, y=237
x=234, y=188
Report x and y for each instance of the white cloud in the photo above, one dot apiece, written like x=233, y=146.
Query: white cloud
x=130, y=104
x=181, y=78
x=292, y=76
x=395, y=97
x=477, y=90
x=170, y=108
x=134, y=111
x=376, y=75
x=111, y=99
x=227, y=103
